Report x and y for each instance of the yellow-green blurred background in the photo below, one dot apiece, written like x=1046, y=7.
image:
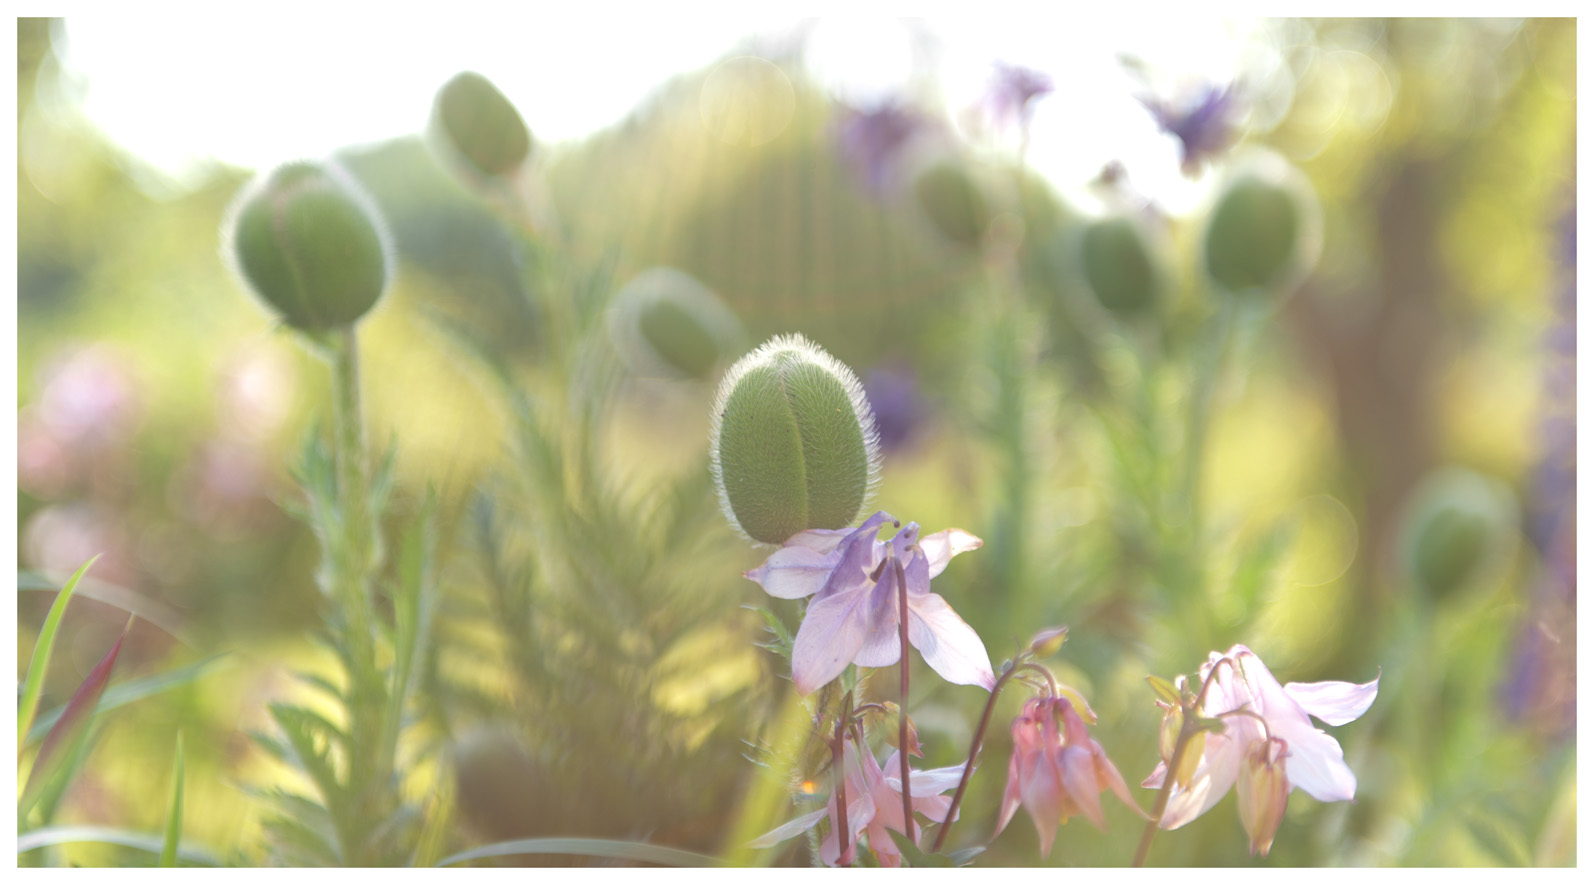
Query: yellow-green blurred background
x=159, y=405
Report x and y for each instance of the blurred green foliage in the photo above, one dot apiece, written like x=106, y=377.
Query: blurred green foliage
x=1202, y=474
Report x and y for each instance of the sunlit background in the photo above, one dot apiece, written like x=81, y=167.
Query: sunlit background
x=1429, y=352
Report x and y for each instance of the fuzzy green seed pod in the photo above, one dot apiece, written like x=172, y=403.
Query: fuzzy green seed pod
x=952, y=200
x=1119, y=265
x=1457, y=525
x=793, y=444
x=1263, y=234
x=310, y=243
x=479, y=127
x=667, y=324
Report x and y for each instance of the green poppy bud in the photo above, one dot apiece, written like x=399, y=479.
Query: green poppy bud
x=952, y=200
x=1119, y=265
x=1263, y=234
x=793, y=444
x=478, y=127
x=1458, y=524
x=311, y=245
x=667, y=324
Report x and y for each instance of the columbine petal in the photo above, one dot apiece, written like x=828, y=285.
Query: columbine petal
x=793, y=572
x=831, y=634
x=1219, y=767
x=949, y=645
x=940, y=547
x=1336, y=703
x=789, y=829
x=882, y=640
x=1079, y=777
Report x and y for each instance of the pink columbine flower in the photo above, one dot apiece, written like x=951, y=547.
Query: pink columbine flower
x=1057, y=774
x=874, y=805
x=1274, y=727
x=853, y=618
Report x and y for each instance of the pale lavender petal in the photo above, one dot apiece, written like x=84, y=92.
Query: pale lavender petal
x=1079, y=778
x=882, y=640
x=860, y=810
x=793, y=572
x=1316, y=763
x=933, y=807
x=855, y=560
x=935, y=780
x=789, y=829
x=1336, y=703
x=940, y=547
x=1220, y=766
x=949, y=645
x=829, y=638
x=1010, y=796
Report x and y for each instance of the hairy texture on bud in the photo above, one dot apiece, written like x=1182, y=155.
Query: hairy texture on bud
x=667, y=324
x=479, y=126
x=1264, y=233
x=952, y=201
x=1119, y=265
x=311, y=245
x=792, y=444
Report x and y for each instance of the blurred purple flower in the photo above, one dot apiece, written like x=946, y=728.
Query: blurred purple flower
x=89, y=398
x=899, y=408
x=1011, y=91
x=874, y=142
x=1205, y=124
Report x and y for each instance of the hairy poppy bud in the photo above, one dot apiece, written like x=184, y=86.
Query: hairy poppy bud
x=311, y=245
x=479, y=127
x=793, y=444
x=1263, y=234
x=666, y=323
x=1119, y=265
x=952, y=201
x=1456, y=525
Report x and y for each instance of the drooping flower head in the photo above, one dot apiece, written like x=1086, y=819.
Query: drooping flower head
x=853, y=617
x=1057, y=773
x=1205, y=123
x=875, y=142
x=874, y=805
x=1265, y=724
x=1010, y=97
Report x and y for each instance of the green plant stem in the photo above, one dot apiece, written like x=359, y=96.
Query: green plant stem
x=902, y=714
x=974, y=752
x=1187, y=728
x=839, y=768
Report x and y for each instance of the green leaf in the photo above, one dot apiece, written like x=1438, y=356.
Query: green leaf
x=128, y=692
x=47, y=836
x=913, y=857
x=1164, y=689
x=174, y=810
x=68, y=732
x=34, y=682
x=638, y=851
x=411, y=616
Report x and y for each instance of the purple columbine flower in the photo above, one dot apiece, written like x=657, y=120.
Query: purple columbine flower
x=853, y=617
x=873, y=142
x=893, y=392
x=1013, y=90
x=1205, y=126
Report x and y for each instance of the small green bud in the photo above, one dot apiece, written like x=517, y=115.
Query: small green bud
x=1263, y=235
x=479, y=127
x=1457, y=524
x=1119, y=265
x=667, y=324
x=952, y=200
x=311, y=245
x=793, y=443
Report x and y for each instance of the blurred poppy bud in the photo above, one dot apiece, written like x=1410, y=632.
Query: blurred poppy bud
x=1457, y=525
x=793, y=444
x=477, y=126
x=1119, y=265
x=667, y=324
x=499, y=786
x=951, y=199
x=311, y=245
x=1263, y=234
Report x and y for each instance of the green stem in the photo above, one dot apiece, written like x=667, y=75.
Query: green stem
x=839, y=768
x=1187, y=728
x=902, y=714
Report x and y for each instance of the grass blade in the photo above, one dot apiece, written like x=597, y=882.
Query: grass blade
x=41, y=656
x=70, y=729
x=640, y=851
x=47, y=836
x=174, y=810
x=128, y=692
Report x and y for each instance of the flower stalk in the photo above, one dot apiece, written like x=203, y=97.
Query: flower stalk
x=974, y=751
x=902, y=718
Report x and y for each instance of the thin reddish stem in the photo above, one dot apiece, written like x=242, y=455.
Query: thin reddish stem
x=902, y=714
x=968, y=766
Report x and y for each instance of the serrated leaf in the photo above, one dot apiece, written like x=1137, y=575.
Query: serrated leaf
x=33, y=684
x=174, y=810
x=68, y=732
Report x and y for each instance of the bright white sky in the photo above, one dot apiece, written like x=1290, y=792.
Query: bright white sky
x=284, y=82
